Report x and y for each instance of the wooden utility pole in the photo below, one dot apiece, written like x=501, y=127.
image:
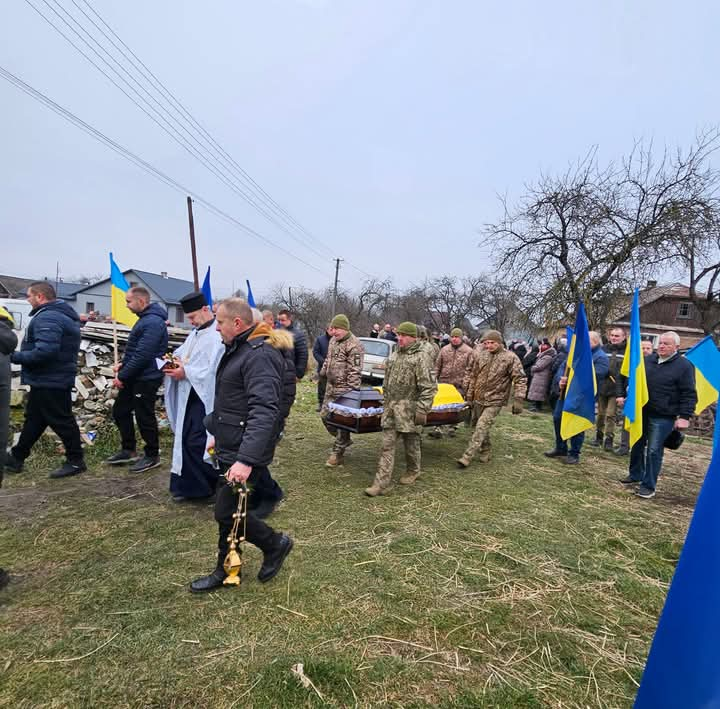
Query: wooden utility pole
x=191, y=221
x=337, y=273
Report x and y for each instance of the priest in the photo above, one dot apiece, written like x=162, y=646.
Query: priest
x=189, y=395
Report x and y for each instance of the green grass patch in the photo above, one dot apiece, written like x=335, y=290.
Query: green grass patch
x=517, y=583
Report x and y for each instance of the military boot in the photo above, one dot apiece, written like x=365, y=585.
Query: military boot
x=483, y=457
x=334, y=460
x=608, y=445
x=598, y=440
x=374, y=490
x=463, y=461
x=624, y=447
x=409, y=478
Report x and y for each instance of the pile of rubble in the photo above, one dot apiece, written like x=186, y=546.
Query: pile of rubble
x=94, y=393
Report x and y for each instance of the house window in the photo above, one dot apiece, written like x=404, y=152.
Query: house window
x=179, y=314
x=89, y=306
x=133, y=284
x=684, y=311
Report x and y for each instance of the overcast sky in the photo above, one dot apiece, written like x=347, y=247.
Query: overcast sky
x=387, y=128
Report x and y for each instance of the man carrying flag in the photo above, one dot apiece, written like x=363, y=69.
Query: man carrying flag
x=671, y=399
x=575, y=411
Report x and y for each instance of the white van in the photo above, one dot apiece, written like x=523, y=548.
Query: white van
x=20, y=311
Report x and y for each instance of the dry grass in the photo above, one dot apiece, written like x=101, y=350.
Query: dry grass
x=517, y=583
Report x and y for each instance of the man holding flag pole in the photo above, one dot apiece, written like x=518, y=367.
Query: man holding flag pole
x=660, y=396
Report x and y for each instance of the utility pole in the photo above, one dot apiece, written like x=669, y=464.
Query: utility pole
x=196, y=280
x=337, y=273
x=290, y=297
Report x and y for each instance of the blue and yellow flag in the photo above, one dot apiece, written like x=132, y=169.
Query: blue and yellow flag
x=682, y=667
x=706, y=360
x=119, y=311
x=633, y=367
x=251, y=298
x=207, y=290
x=578, y=413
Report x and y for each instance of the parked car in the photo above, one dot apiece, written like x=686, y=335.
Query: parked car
x=376, y=355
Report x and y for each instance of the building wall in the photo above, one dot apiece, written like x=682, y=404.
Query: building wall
x=668, y=310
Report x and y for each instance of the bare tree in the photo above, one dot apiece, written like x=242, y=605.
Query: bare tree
x=592, y=233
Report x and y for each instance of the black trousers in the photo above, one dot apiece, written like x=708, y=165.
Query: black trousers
x=257, y=532
x=321, y=387
x=138, y=397
x=264, y=487
x=53, y=408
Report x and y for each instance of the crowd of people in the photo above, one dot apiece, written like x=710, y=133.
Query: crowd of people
x=230, y=387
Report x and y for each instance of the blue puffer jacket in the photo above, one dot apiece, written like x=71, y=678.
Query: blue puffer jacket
x=48, y=354
x=148, y=339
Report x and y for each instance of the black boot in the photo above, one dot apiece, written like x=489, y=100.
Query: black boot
x=273, y=560
x=209, y=582
x=608, y=445
x=624, y=447
x=598, y=440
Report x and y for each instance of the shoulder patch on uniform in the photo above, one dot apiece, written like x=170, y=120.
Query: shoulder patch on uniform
x=358, y=359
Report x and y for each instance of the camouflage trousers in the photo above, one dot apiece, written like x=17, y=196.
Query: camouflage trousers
x=480, y=441
x=413, y=455
x=342, y=441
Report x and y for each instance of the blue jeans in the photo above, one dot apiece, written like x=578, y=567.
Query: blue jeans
x=646, y=456
x=560, y=445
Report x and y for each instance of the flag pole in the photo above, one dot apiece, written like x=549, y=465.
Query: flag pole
x=115, y=343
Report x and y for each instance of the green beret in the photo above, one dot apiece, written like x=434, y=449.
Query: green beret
x=456, y=332
x=340, y=321
x=407, y=328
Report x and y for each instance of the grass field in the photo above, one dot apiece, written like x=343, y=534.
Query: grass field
x=518, y=583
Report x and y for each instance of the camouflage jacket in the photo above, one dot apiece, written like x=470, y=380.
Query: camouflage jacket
x=430, y=350
x=409, y=388
x=454, y=364
x=493, y=375
x=342, y=366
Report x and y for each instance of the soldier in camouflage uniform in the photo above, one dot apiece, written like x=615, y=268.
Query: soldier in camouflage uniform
x=408, y=394
x=494, y=373
x=343, y=370
x=430, y=348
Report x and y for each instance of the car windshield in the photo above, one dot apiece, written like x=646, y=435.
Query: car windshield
x=376, y=347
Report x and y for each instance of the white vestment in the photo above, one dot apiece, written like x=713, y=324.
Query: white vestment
x=200, y=354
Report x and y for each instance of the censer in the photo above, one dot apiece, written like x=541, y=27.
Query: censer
x=233, y=559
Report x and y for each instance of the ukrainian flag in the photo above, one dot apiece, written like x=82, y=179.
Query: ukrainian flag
x=633, y=367
x=578, y=413
x=119, y=311
x=706, y=360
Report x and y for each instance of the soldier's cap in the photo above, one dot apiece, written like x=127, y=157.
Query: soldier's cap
x=492, y=335
x=340, y=321
x=456, y=332
x=407, y=328
x=193, y=301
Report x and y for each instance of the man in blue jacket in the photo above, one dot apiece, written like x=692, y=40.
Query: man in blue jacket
x=571, y=455
x=138, y=379
x=300, y=351
x=48, y=358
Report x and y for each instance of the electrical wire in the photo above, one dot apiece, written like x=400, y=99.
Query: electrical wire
x=143, y=164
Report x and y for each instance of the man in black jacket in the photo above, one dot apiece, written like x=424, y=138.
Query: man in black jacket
x=320, y=350
x=607, y=390
x=138, y=379
x=8, y=343
x=671, y=403
x=300, y=352
x=48, y=357
x=244, y=423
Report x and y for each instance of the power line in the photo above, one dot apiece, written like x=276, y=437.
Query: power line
x=143, y=164
x=143, y=69
x=161, y=120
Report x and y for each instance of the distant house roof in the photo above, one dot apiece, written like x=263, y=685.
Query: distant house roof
x=647, y=296
x=169, y=289
x=15, y=287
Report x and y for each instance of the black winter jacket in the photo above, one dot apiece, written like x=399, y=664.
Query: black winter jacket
x=320, y=349
x=48, y=354
x=245, y=419
x=615, y=353
x=671, y=386
x=148, y=339
x=300, y=350
x=8, y=343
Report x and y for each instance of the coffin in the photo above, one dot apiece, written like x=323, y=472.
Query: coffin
x=361, y=411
